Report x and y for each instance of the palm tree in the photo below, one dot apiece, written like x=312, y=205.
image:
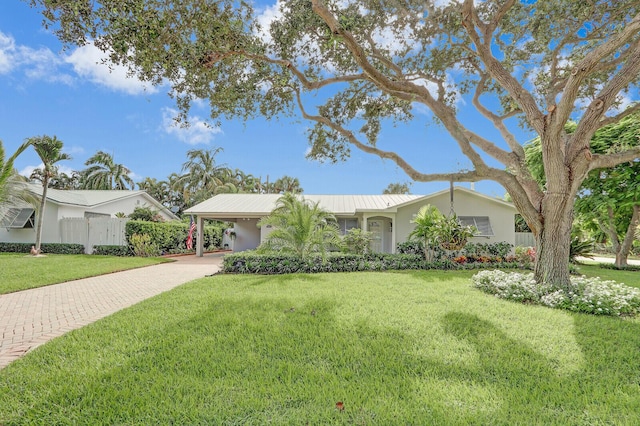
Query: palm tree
x=425, y=231
x=12, y=188
x=287, y=184
x=300, y=227
x=158, y=189
x=58, y=179
x=202, y=177
x=49, y=149
x=104, y=173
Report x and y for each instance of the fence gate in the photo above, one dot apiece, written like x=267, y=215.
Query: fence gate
x=93, y=231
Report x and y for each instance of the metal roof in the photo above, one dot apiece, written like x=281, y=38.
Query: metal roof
x=93, y=198
x=230, y=205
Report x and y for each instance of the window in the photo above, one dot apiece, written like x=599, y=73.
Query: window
x=481, y=222
x=346, y=224
x=17, y=218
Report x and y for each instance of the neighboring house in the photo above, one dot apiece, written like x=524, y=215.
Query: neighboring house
x=388, y=217
x=66, y=209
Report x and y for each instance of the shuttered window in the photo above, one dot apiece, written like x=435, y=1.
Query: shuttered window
x=482, y=223
x=17, y=218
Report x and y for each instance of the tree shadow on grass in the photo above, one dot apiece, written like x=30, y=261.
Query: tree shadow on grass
x=604, y=390
x=289, y=361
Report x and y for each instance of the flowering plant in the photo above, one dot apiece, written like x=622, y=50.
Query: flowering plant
x=588, y=295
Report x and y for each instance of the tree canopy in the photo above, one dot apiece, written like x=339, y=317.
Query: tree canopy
x=537, y=63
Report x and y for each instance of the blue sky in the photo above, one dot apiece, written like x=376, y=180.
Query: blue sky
x=45, y=90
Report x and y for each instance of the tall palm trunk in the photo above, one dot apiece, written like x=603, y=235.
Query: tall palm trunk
x=43, y=202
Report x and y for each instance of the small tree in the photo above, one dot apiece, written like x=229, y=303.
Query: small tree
x=300, y=227
x=425, y=227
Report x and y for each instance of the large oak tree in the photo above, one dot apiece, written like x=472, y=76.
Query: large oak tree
x=542, y=62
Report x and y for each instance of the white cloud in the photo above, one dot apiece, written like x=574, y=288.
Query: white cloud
x=197, y=132
x=265, y=17
x=27, y=170
x=7, y=53
x=90, y=62
x=37, y=64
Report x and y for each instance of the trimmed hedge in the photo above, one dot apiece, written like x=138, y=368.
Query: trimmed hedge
x=623, y=268
x=250, y=262
x=45, y=248
x=171, y=237
x=105, y=250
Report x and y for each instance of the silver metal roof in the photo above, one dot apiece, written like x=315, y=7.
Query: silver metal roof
x=229, y=205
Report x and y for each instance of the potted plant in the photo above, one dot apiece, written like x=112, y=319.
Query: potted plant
x=451, y=234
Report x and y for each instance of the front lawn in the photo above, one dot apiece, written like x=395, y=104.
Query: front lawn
x=418, y=347
x=20, y=272
x=630, y=278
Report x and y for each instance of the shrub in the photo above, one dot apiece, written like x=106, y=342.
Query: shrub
x=410, y=247
x=620, y=268
x=588, y=295
x=107, y=250
x=525, y=254
x=253, y=262
x=142, y=246
x=580, y=248
x=147, y=214
x=51, y=248
x=357, y=241
x=500, y=250
x=171, y=237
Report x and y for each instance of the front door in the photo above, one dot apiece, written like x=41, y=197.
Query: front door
x=377, y=233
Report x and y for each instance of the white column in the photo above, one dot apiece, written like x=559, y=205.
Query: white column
x=199, y=236
x=393, y=234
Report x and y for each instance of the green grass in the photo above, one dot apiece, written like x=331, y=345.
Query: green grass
x=630, y=278
x=20, y=272
x=396, y=348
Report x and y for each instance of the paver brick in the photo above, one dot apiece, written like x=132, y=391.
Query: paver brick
x=32, y=317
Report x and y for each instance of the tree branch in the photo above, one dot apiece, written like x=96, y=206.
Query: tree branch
x=605, y=121
x=589, y=63
x=497, y=120
x=600, y=161
x=524, y=99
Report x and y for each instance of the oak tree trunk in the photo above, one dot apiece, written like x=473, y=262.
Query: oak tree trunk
x=553, y=241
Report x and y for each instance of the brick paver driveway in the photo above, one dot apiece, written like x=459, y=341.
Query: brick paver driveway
x=30, y=318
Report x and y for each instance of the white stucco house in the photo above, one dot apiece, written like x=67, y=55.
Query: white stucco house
x=18, y=224
x=388, y=217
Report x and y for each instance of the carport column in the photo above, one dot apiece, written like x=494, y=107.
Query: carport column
x=199, y=234
x=393, y=233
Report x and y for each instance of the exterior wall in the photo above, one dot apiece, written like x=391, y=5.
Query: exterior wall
x=50, y=230
x=247, y=235
x=502, y=218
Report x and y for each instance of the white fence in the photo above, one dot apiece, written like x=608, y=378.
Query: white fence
x=93, y=231
x=525, y=239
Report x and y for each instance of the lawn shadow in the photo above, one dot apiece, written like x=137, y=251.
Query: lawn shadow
x=533, y=386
